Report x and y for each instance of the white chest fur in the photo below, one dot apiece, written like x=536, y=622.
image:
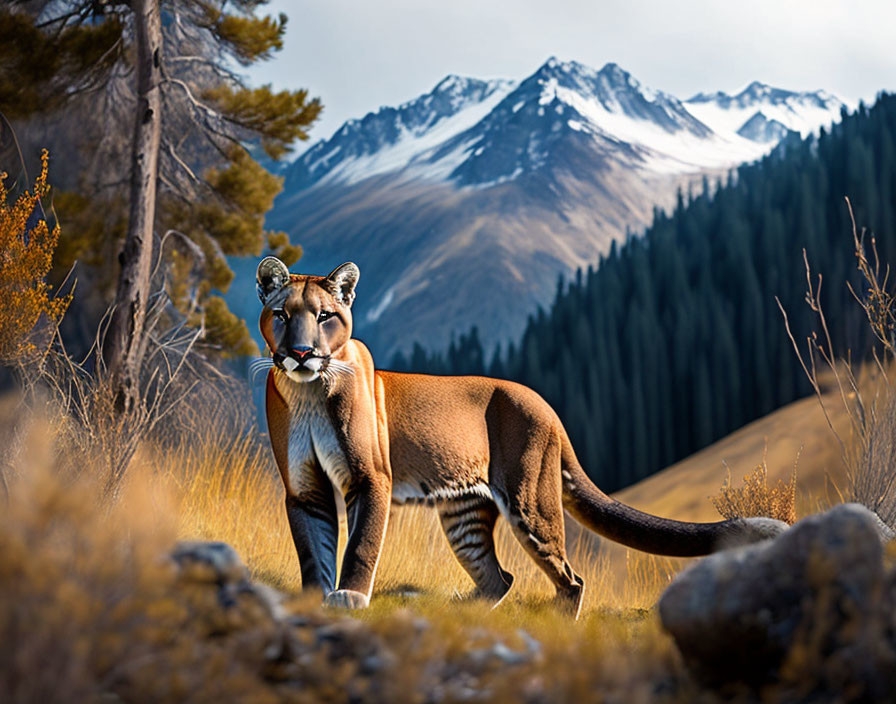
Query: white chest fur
x=312, y=438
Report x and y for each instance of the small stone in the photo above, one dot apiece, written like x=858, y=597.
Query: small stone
x=207, y=561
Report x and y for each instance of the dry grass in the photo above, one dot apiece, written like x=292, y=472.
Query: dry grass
x=83, y=584
x=230, y=491
x=757, y=498
x=865, y=391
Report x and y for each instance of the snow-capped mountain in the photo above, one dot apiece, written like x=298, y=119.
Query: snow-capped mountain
x=479, y=133
x=463, y=205
x=759, y=106
x=654, y=130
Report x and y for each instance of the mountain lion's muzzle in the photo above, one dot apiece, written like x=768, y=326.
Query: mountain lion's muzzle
x=299, y=359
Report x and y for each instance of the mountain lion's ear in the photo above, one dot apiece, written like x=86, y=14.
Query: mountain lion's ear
x=345, y=278
x=271, y=275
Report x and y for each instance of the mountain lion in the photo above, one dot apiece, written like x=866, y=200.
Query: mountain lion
x=476, y=448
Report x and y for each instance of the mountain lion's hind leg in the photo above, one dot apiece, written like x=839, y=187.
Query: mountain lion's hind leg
x=469, y=524
x=549, y=554
x=535, y=511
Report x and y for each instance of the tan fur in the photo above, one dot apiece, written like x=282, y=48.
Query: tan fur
x=475, y=446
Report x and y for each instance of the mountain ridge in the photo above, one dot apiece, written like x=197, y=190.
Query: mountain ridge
x=611, y=87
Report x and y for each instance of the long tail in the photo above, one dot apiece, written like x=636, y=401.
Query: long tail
x=643, y=531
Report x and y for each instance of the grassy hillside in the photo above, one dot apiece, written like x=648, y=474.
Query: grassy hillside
x=230, y=491
x=798, y=430
x=86, y=584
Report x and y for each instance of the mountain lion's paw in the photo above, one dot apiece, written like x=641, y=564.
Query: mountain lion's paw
x=347, y=599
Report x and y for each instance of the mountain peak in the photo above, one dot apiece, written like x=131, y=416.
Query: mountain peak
x=764, y=113
x=707, y=97
x=615, y=71
x=606, y=85
x=452, y=82
x=757, y=88
x=554, y=67
x=757, y=92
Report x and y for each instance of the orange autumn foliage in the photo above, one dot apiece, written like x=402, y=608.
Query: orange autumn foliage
x=28, y=310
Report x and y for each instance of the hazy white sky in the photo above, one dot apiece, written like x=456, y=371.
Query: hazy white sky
x=357, y=55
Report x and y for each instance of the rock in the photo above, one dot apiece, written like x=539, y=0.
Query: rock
x=215, y=563
x=204, y=561
x=817, y=589
x=501, y=654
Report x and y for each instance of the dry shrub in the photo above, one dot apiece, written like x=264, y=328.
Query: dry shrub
x=872, y=474
x=757, y=498
x=26, y=257
x=865, y=391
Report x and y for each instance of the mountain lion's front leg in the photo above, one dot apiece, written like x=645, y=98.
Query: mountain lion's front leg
x=358, y=415
x=367, y=502
x=314, y=524
x=310, y=502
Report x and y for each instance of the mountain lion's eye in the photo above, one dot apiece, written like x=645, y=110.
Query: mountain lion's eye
x=324, y=315
x=281, y=314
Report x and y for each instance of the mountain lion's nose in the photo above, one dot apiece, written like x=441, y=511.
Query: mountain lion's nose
x=302, y=352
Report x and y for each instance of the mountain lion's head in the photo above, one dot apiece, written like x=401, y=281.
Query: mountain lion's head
x=306, y=319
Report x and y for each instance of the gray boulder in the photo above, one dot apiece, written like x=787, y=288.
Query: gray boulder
x=215, y=564
x=811, y=599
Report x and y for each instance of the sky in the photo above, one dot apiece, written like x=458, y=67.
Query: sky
x=358, y=55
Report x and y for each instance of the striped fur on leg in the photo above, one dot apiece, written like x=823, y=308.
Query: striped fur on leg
x=469, y=524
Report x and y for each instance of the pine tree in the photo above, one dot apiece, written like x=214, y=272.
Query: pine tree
x=148, y=88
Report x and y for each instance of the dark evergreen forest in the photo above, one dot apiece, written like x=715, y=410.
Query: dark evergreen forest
x=674, y=339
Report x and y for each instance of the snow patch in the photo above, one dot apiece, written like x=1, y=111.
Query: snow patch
x=501, y=179
x=666, y=152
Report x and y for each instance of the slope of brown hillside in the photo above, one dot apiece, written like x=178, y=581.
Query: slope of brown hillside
x=798, y=430
x=683, y=490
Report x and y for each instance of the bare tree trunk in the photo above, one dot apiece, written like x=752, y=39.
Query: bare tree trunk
x=124, y=343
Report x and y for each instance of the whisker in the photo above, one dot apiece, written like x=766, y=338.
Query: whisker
x=334, y=369
x=341, y=367
x=257, y=366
